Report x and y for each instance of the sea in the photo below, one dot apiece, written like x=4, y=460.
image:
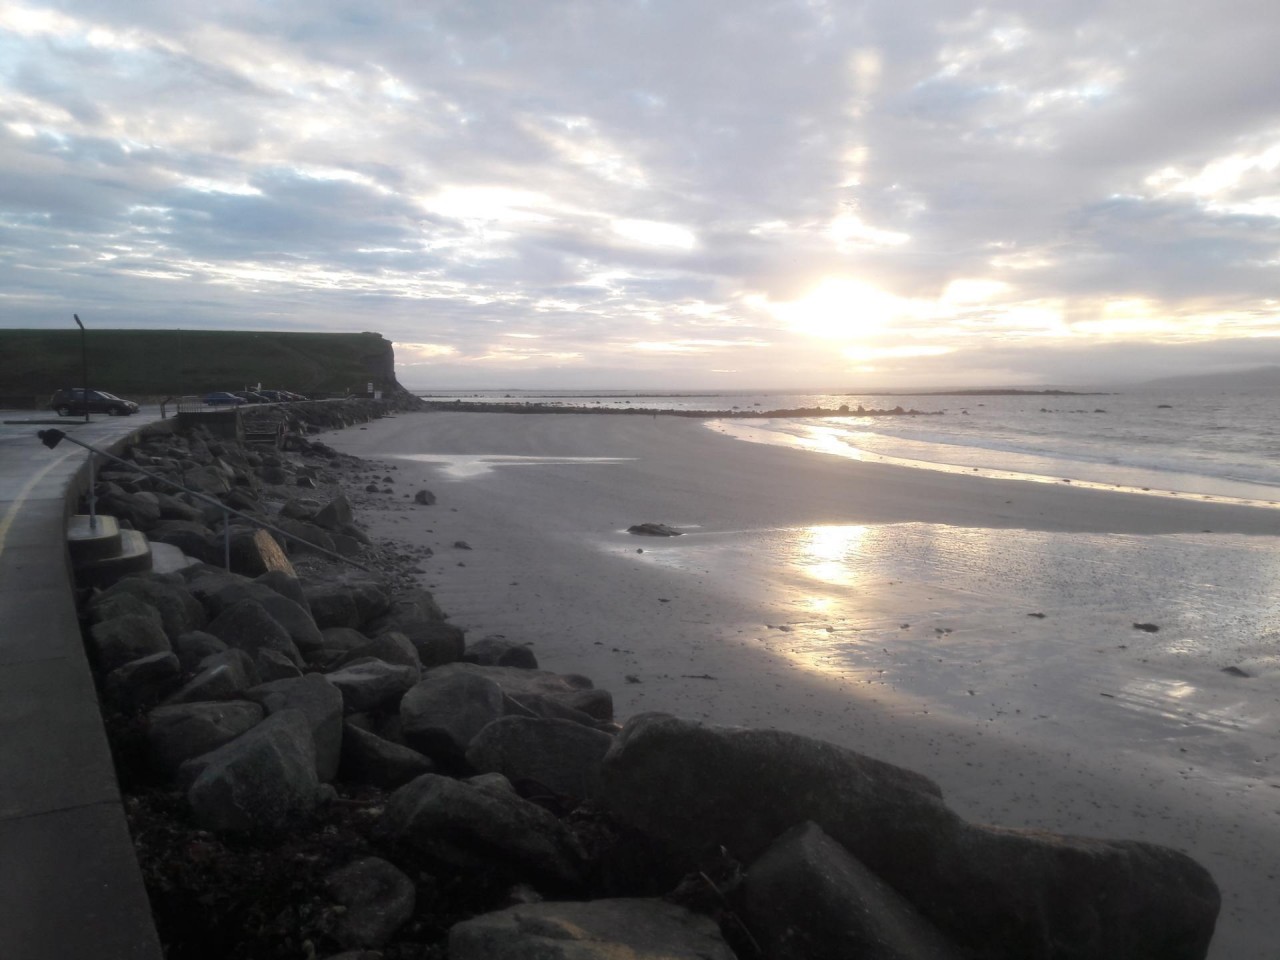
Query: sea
x=1214, y=445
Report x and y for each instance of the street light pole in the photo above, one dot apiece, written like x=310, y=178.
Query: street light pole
x=84, y=365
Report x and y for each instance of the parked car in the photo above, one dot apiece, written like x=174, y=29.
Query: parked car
x=222, y=399
x=275, y=396
x=70, y=401
x=250, y=396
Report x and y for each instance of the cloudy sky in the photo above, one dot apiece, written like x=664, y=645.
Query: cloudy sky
x=645, y=193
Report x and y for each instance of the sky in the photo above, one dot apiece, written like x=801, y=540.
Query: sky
x=677, y=194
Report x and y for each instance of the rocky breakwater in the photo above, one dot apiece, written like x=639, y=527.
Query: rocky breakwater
x=317, y=763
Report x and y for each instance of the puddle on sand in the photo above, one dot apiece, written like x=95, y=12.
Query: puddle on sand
x=460, y=466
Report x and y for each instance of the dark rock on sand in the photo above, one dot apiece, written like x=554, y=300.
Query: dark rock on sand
x=1005, y=894
x=321, y=703
x=372, y=684
x=559, y=754
x=424, y=498
x=807, y=898
x=475, y=829
x=368, y=758
x=247, y=626
x=120, y=640
x=653, y=530
x=180, y=732
x=442, y=713
x=596, y=930
x=263, y=782
x=500, y=652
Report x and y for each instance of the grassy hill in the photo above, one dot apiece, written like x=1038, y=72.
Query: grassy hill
x=164, y=362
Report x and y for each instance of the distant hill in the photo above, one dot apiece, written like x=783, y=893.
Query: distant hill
x=177, y=362
x=1253, y=380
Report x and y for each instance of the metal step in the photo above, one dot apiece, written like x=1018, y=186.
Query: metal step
x=86, y=543
x=134, y=556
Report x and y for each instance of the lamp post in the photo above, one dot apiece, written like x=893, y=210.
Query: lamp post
x=84, y=365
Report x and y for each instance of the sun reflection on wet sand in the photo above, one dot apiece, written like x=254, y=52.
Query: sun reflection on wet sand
x=462, y=466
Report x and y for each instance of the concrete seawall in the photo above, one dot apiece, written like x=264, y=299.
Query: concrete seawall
x=69, y=880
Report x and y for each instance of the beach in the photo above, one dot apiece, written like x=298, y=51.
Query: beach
x=980, y=631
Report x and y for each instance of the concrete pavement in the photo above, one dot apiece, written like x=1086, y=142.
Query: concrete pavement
x=69, y=881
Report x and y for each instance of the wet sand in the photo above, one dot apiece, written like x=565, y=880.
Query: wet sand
x=886, y=609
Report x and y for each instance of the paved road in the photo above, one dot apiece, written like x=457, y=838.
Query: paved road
x=69, y=883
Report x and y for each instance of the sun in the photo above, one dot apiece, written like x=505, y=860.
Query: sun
x=840, y=308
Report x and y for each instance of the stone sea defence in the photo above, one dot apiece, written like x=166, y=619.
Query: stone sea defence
x=529, y=406
x=317, y=762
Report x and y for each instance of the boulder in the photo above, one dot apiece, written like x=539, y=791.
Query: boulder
x=171, y=508
x=102, y=607
x=332, y=605
x=558, y=754
x=474, y=829
x=424, y=498
x=437, y=641
x=653, y=530
x=441, y=713
x=405, y=607
x=220, y=676
x=303, y=537
x=274, y=665
x=368, y=758
x=320, y=702
x=567, y=689
x=142, y=510
x=285, y=584
x=806, y=898
x=500, y=652
x=247, y=626
x=335, y=515
x=254, y=552
x=123, y=639
x=192, y=538
x=391, y=647
x=300, y=508
x=1001, y=894
x=372, y=684
x=262, y=783
x=194, y=646
x=141, y=682
x=180, y=732
x=596, y=930
x=293, y=616
x=377, y=900
x=179, y=611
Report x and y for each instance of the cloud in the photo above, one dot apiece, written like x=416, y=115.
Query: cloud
x=532, y=190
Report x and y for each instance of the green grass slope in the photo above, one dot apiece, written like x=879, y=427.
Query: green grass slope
x=177, y=362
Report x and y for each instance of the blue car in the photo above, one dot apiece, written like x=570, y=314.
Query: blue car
x=222, y=399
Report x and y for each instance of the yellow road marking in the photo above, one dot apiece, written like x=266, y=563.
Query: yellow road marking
x=7, y=520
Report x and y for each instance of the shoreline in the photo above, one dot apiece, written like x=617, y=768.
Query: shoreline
x=550, y=563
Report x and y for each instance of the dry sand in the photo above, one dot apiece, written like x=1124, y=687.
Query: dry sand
x=886, y=609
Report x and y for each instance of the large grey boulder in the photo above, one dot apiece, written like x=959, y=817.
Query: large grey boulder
x=335, y=515
x=178, y=733
x=441, y=713
x=368, y=758
x=478, y=829
x=376, y=898
x=123, y=639
x=806, y=898
x=141, y=682
x=288, y=586
x=597, y=930
x=332, y=605
x=321, y=703
x=179, y=611
x=248, y=626
x=568, y=689
x=293, y=616
x=1003, y=894
x=263, y=782
x=500, y=652
x=371, y=684
x=559, y=754
x=194, y=646
x=220, y=676
x=191, y=537
x=392, y=647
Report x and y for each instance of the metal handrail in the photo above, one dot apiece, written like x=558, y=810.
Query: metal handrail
x=52, y=437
